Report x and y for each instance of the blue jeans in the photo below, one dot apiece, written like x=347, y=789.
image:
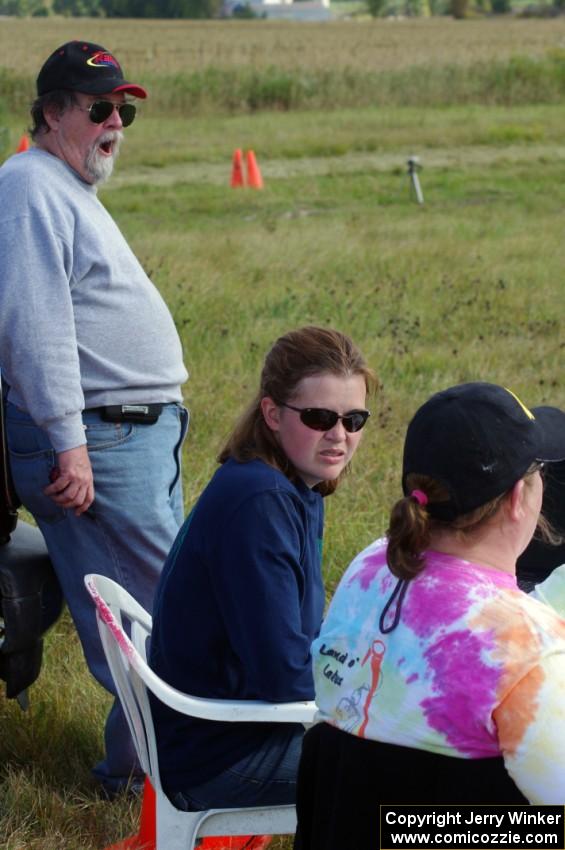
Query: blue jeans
x=126, y=533
x=267, y=777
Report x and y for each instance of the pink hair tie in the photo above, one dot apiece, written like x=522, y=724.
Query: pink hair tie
x=420, y=497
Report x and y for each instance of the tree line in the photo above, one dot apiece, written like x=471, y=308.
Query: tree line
x=112, y=8
x=212, y=8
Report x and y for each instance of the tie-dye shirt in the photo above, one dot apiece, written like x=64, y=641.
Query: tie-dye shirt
x=474, y=668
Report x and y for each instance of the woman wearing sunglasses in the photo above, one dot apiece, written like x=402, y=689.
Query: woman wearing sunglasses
x=437, y=679
x=241, y=596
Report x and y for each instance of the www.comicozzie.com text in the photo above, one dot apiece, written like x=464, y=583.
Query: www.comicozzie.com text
x=481, y=839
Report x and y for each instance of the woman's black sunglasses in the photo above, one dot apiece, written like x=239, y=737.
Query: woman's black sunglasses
x=100, y=111
x=321, y=419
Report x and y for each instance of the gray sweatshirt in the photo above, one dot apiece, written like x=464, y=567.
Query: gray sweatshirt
x=81, y=324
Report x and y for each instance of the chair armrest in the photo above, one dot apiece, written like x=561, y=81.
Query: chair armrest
x=242, y=711
x=238, y=711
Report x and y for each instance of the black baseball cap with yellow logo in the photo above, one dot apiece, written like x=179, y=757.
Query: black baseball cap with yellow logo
x=478, y=440
x=85, y=67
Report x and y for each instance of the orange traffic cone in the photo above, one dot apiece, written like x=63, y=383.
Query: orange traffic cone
x=236, y=842
x=147, y=835
x=237, y=169
x=254, y=179
x=23, y=144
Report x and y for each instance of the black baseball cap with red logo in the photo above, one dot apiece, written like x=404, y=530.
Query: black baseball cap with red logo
x=85, y=67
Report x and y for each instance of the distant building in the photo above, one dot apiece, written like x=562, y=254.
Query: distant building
x=299, y=10
x=324, y=3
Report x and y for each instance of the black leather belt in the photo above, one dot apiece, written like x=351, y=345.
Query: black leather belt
x=142, y=414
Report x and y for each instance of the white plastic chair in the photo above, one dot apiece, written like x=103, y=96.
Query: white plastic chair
x=176, y=830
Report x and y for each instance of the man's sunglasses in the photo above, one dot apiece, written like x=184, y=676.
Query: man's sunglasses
x=100, y=111
x=321, y=419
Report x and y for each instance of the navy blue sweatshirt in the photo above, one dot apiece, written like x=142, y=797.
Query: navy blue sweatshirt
x=238, y=605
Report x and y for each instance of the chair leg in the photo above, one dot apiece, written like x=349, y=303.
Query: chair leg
x=146, y=838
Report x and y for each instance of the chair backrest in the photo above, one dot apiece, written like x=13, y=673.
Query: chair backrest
x=126, y=658
x=132, y=676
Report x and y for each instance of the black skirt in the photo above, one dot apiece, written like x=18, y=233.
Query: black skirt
x=342, y=780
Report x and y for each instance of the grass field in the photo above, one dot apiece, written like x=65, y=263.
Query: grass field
x=240, y=66
x=467, y=286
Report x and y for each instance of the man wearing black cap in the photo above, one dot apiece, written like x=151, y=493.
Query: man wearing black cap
x=92, y=357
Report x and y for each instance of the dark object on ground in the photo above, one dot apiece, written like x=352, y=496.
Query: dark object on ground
x=30, y=602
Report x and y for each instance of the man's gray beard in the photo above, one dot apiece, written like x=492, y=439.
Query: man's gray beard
x=98, y=167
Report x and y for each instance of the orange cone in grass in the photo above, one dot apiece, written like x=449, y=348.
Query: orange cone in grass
x=147, y=836
x=237, y=169
x=254, y=179
x=23, y=144
x=236, y=842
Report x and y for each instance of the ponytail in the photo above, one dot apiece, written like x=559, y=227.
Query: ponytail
x=408, y=536
x=410, y=527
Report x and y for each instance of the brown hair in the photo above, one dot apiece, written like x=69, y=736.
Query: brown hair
x=296, y=355
x=411, y=526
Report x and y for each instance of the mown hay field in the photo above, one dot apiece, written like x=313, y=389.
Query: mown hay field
x=162, y=47
x=468, y=286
